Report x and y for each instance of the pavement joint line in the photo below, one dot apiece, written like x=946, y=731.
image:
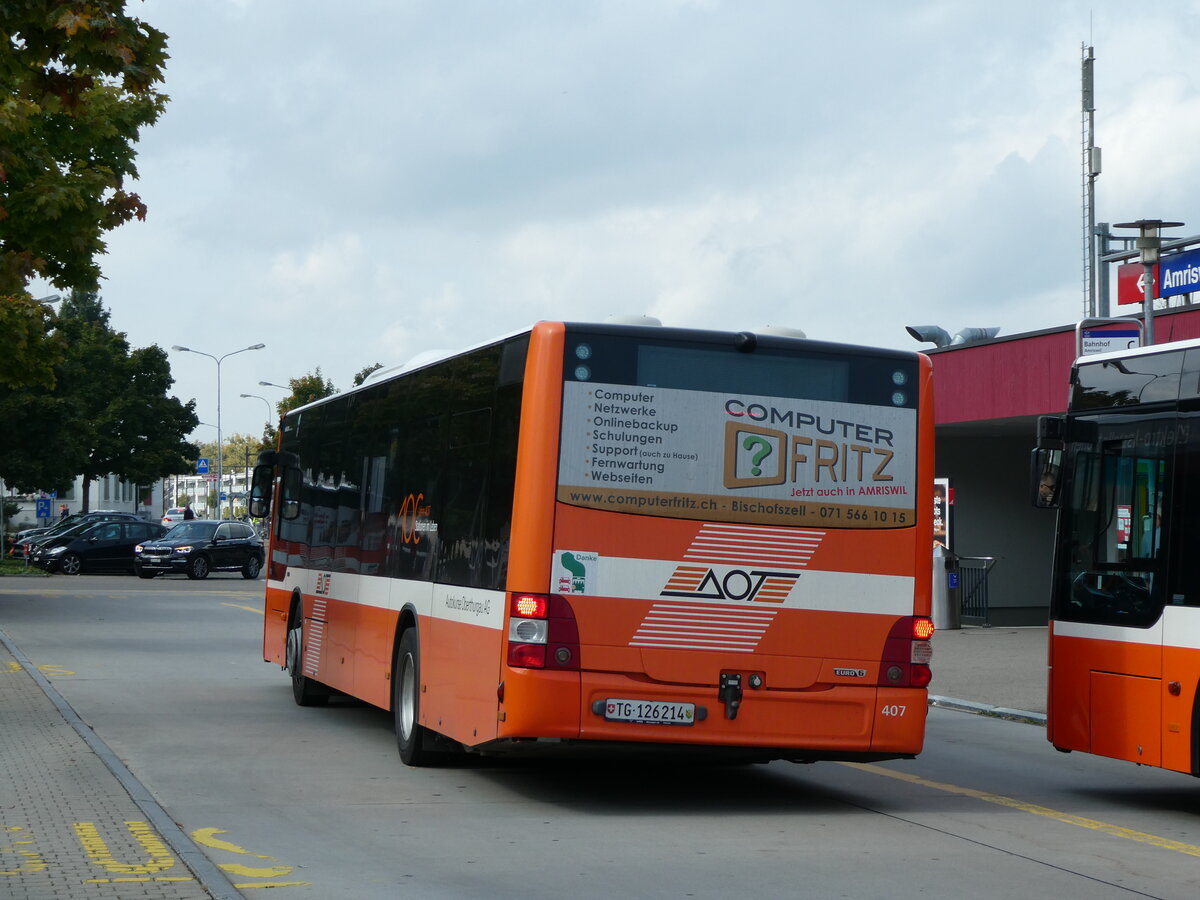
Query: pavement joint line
x=986, y=709
x=209, y=875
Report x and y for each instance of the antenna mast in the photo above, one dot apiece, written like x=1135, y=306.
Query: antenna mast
x=1091, y=169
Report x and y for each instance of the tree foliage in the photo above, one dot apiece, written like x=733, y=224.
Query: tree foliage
x=306, y=389
x=30, y=351
x=365, y=373
x=79, y=85
x=109, y=412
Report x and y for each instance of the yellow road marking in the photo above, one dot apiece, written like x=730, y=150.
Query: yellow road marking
x=13, y=667
x=1128, y=834
x=207, y=837
x=246, y=608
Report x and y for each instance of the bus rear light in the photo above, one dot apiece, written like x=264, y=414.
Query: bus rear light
x=919, y=675
x=530, y=606
x=542, y=632
x=922, y=653
x=527, y=656
x=907, y=653
x=528, y=631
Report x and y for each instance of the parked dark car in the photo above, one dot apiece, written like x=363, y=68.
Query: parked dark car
x=201, y=546
x=98, y=547
x=27, y=540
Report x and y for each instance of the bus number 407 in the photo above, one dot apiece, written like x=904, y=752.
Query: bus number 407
x=894, y=710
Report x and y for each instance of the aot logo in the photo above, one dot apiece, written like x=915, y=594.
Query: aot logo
x=751, y=585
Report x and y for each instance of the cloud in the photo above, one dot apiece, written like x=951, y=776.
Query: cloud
x=362, y=185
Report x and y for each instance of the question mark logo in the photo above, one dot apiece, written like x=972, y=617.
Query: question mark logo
x=763, y=451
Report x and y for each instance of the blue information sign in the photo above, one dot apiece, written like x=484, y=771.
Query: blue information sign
x=43, y=508
x=1179, y=273
x=202, y=466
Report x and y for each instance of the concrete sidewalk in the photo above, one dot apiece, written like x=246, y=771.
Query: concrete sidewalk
x=991, y=670
x=74, y=823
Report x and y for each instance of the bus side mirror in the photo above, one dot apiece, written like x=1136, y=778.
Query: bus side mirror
x=260, y=492
x=290, y=493
x=1044, y=467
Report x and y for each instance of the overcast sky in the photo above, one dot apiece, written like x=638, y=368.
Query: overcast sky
x=361, y=182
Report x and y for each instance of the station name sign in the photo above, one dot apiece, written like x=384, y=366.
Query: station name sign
x=1179, y=273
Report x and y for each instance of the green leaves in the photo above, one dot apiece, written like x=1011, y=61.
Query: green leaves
x=78, y=83
x=103, y=409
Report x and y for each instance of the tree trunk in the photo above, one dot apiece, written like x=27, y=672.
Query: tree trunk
x=87, y=493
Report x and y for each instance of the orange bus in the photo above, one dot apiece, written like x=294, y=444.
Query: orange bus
x=1123, y=469
x=602, y=534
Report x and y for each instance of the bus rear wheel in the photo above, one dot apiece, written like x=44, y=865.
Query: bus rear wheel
x=305, y=691
x=406, y=702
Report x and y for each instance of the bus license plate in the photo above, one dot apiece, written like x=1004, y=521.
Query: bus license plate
x=649, y=712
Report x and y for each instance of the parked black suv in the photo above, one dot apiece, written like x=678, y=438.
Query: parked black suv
x=201, y=546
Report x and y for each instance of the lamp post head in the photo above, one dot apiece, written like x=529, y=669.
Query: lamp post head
x=184, y=349
x=256, y=346
x=1149, y=242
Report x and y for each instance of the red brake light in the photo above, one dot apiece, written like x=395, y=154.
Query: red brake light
x=922, y=628
x=919, y=676
x=528, y=656
x=530, y=606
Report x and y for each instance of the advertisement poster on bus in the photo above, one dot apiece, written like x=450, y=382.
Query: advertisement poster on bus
x=737, y=458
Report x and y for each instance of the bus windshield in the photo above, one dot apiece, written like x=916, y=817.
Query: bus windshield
x=1114, y=537
x=773, y=436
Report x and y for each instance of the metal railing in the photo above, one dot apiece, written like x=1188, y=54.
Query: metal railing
x=973, y=588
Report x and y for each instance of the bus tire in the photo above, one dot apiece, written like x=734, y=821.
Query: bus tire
x=305, y=691
x=406, y=702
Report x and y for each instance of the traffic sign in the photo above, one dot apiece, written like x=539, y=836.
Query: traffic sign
x=43, y=508
x=202, y=466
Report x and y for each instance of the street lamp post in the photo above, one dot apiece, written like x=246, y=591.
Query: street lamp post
x=264, y=400
x=220, y=448
x=1149, y=245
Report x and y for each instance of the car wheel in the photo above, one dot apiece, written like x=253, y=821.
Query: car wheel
x=70, y=564
x=197, y=567
x=306, y=691
x=252, y=567
x=406, y=703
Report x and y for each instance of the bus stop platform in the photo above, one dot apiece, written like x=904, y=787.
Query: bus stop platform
x=995, y=671
x=74, y=822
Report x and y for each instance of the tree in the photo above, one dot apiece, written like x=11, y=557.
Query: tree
x=108, y=414
x=365, y=373
x=79, y=79
x=30, y=350
x=306, y=389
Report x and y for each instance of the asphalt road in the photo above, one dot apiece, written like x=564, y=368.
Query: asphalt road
x=316, y=802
